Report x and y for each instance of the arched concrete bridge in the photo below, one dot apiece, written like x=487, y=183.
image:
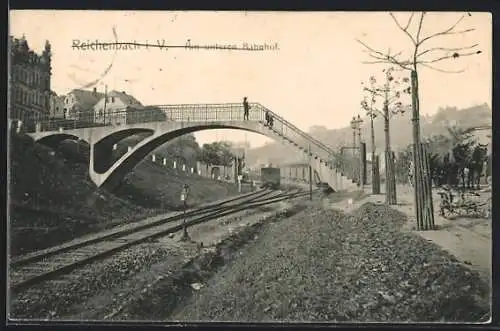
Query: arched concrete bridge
x=177, y=120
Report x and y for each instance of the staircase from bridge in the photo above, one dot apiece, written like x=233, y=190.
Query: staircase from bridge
x=320, y=156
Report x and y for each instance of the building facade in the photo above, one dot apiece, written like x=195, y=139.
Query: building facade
x=118, y=108
x=79, y=104
x=56, y=108
x=29, y=82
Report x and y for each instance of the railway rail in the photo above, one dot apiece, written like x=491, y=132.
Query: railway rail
x=122, y=230
x=27, y=271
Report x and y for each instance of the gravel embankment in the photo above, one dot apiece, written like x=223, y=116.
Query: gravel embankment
x=59, y=297
x=161, y=298
x=324, y=266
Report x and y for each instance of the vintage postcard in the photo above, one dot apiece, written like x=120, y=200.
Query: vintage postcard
x=287, y=167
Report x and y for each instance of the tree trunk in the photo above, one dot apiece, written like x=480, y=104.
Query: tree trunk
x=375, y=172
x=422, y=191
x=390, y=181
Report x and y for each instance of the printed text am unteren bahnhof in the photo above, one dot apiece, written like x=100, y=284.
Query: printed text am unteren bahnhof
x=98, y=45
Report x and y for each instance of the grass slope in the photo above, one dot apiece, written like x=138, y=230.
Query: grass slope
x=52, y=199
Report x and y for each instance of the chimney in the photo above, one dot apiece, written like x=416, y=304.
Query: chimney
x=95, y=91
x=124, y=92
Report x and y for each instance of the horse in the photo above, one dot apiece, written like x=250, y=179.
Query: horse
x=476, y=166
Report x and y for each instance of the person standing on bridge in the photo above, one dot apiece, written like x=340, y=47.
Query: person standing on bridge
x=246, y=108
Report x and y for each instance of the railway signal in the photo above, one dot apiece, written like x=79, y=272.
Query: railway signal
x=184, y=197
x=240, y=177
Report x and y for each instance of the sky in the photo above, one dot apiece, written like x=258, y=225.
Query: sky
x=312, y=78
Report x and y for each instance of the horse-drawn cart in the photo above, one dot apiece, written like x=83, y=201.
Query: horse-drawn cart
x=463, y=203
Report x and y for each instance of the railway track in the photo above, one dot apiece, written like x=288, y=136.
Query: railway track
x=122, y=230
x=27, y=271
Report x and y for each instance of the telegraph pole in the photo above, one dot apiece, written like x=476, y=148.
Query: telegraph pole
x=353, y=133
x=310, y=173
x=375, y=171
x=361, y=172
x=356, y=129
x=105, y=102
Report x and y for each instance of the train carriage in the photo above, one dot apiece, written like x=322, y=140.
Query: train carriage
x=270, y=177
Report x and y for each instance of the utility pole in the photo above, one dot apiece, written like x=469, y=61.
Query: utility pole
x=353, y=133
x=375, y=171
x=361, y=173
x=356, y=129
x=105, y=102
x=310, y=173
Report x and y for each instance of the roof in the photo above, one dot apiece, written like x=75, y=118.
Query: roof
x=126, y=99
x=87, y=99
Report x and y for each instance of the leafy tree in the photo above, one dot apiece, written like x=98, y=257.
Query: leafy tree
x=226, y=155
x=209, y=154
x=184, y=149
x=217, y=153
x=449, y=154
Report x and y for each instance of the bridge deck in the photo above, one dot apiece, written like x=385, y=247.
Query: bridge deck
x=189, y=114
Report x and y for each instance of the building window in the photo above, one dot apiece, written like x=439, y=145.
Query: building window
x=112, y=99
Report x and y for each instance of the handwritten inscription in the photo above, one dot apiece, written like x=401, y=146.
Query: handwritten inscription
x=162, y=44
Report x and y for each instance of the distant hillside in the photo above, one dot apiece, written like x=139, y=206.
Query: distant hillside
x=401, y=132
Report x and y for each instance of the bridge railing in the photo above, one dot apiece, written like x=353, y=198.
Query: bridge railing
x=116, y=117
x=184, y=113
x=288, y=128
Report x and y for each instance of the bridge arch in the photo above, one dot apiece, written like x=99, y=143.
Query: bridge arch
x=56, y=139
x=112, y=175
x=119, y=135
x=103, y=147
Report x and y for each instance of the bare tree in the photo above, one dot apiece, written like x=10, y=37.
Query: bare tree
x=428, y=58
x=390, y=93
